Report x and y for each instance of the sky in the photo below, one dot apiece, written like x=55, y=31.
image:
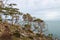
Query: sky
x=43, y=9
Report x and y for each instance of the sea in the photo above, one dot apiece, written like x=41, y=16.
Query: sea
x=53, y=27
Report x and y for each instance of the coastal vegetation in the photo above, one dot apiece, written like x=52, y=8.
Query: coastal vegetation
x=26, y=28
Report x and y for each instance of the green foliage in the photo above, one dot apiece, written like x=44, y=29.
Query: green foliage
x=25, y=38
x=27, y=17
x=12, y=4
x=16, y=34
x=15, y=38
x=27, y=26
x=0, y=18
x=38, y=20
x=50, y=35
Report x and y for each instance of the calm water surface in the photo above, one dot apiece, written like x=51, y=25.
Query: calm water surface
x=53, y=27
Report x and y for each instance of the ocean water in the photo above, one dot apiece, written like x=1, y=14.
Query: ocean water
x=53, y=27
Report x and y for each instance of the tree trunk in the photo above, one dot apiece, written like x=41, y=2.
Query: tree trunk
x=40, y=28
x=5, y=18
x=12, y=19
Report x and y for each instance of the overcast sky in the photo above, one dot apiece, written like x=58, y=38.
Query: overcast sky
x=44, y=9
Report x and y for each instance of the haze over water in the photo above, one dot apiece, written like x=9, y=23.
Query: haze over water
x=54, y=28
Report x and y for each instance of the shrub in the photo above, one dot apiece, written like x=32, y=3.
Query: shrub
x=16, y=34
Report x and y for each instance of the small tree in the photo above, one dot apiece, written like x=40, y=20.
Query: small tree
x=41, y=25
x=27, y=17
x=12, y=11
